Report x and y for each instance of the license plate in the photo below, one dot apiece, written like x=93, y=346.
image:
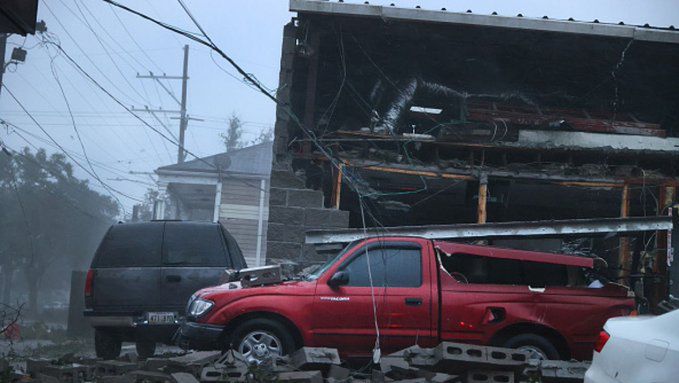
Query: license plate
x=162, y=317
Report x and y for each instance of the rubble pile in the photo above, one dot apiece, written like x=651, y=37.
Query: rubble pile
x=448, y=362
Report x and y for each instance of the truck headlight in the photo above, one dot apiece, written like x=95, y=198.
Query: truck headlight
x=199, y=307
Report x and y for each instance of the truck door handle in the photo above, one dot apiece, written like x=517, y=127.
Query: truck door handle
x=173, y=278
x=413, y=301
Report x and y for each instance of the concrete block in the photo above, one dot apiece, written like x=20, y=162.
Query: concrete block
x=285, y=233
x=458, y=357
x=287, y=215
x=314, y=358
x=151, y=377
x=283, y=250
x=262, y=275
x=127, y=378
x=305, y=198
x=396, y=367
x=301, y=377
x=286, y=179
x=226, y=374
x=507, y=358
x=485, y=376
x=277, y=197
x=35, y=366
x=154, y=364
x=417, y=356
x=72, y=373
x=42, y=378
x=311, y=256
x=113, y=367
x=337, y=374
x=192, y=362
x=325, y=218
x=183, y=377
x=560, y=371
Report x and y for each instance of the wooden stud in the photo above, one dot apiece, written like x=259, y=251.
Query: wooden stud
x=337, y=187
x=624, y=249
x=481, y=211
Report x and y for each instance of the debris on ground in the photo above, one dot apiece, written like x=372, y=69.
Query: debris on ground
x=448, y=362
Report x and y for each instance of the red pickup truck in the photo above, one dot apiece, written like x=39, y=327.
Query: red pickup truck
x=424, y=292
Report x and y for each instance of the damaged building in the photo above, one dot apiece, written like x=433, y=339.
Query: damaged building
x=414, y=117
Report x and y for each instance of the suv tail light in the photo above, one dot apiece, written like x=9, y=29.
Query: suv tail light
x=601, y=342
x=89, y=288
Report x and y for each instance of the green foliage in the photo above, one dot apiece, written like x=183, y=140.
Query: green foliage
x=50, y=219
x=234, y=133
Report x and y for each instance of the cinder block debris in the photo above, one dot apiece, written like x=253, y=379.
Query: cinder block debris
x=447, y=363
x=314, y=358
x=337, y=374
x=559, y=371
x=114, y=367
x=151, y=377
x=72, y=373
x=459, y=357
x=192, y=362
x=301, y=377
x=127, y=378
x=489, y=377
x=183, y=377
x=35, y=366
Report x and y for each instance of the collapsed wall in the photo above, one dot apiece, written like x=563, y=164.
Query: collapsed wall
x=440, y=117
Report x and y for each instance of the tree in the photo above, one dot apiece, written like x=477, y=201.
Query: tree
x=146, y=207
x=51, y=221
x=265, y=135
x=232, y=137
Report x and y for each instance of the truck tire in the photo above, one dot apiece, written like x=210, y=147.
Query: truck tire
x=145, y=348
x=106, y=345
x=538, y=346
x=261, y=338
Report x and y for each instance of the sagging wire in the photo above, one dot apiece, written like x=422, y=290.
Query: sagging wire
x=77, y=133
x=106, y=186
x=376, y=350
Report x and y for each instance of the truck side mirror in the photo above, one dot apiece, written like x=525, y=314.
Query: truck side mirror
x=340, y=278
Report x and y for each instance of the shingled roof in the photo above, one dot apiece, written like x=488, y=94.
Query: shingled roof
x=252, y=160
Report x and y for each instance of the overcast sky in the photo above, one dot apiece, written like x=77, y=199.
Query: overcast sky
x=113, y=46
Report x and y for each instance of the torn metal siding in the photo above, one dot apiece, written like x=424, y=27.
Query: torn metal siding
x=499, y=229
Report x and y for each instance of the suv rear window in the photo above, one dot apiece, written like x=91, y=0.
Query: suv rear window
x=188, y=244
x=130, y=245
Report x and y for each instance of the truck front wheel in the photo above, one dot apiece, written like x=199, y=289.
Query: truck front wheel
x=261, y=339
x=537, y=346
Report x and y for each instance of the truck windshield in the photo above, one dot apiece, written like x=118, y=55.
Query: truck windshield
x=316, y=274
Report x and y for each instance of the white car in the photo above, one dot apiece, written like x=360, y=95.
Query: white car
x=637, y=350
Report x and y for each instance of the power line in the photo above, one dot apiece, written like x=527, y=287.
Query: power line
x=130, y=111
x=85, y=53
x=67, y=154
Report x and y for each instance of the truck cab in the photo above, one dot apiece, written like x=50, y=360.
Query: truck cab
x=414, y=291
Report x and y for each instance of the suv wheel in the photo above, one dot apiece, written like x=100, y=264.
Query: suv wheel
x=261, y=339
x=538, y=347
x=106, y=344
x=145, y=348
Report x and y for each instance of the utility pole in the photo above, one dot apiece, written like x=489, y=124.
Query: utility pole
x=183, y=116
x=183, y=122
x=3, y=46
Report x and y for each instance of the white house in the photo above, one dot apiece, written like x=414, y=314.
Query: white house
x=231, y=188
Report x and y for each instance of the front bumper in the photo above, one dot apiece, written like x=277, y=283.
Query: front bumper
x=199, y=336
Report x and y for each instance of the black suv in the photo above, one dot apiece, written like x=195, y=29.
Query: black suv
x=143, y=274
